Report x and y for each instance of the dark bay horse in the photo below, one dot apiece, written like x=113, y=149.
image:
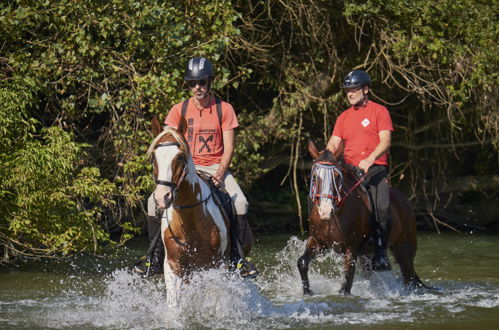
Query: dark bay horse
x=339, y=218
x=194, y=228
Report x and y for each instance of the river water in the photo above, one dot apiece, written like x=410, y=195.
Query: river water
x=101, y=293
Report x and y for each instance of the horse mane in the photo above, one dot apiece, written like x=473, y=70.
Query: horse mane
x=349, y=170
x=176, y=135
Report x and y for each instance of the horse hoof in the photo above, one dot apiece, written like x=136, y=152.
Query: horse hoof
x=381, y=263
x=345, y=293
x=308, y=292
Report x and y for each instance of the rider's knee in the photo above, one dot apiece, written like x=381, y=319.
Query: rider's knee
x=241, y=204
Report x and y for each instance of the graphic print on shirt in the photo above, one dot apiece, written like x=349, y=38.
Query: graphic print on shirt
x=365, y=122
x=205, y=143
x=202, y=141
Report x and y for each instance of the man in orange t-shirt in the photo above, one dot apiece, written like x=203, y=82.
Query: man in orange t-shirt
x=205, y=131
x=364, y=130
x=211, y=138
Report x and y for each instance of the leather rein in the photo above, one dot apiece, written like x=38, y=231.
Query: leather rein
x=174, y=186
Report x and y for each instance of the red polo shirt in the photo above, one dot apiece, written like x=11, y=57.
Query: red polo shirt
x=359, y=129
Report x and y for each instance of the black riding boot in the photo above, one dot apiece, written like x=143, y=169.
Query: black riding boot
x=379, y=192
x=240, y=235
x=381, y=262
x=152, y=263
x=244, y=233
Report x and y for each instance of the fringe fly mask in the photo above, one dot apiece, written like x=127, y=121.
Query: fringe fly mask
x=326, y=183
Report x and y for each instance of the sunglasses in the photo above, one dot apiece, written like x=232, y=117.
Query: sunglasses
x=352, y=90
x=193, y=83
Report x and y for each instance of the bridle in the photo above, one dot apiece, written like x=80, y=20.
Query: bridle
x=174, y=186
x=327, y=187
x=330, y=187
x=170, y=184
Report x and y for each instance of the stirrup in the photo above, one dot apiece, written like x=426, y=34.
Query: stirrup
x=145, y=267
x=246, y=268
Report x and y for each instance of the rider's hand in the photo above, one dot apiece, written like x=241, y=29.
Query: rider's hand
x=365, y=164
x=218, y=177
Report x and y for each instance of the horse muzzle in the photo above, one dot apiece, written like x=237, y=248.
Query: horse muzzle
x=163, y=197
x=325, y=210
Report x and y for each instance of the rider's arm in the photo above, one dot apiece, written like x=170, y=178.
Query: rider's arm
x=385, y=140
x=334, y=145
x=229, y=138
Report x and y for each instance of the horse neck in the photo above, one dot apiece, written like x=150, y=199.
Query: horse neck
x=353, y=207
x=192, y=189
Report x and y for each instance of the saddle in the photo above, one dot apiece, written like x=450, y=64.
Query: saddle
x=358, y=174
x=220, y=196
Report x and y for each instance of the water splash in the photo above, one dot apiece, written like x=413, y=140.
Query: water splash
x=218, y=299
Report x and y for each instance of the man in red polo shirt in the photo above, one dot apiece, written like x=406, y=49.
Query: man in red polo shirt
x=364, y=130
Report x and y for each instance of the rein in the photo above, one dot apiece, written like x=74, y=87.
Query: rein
x=181, y=207
x=174, y=185
x=353, y=187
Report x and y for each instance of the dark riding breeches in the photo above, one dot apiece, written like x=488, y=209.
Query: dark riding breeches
x=379, y=190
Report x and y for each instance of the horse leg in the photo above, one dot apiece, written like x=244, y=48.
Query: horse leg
x=404, y=254
x=349, y=271
x=303, y=263
x=173, y=285
x=365, y=264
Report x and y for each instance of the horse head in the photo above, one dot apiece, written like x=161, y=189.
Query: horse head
x=171, y=161
x=326, y=182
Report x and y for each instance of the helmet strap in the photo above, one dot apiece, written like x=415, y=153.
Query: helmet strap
x=363, y=101
x=209, y=84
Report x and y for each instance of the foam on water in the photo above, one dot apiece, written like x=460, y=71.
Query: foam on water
x=217, y=299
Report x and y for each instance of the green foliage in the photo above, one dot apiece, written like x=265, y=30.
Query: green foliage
x=99, y=70
x=51, y=204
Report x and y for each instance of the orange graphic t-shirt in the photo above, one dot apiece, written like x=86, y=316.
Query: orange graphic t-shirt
x=204, y=132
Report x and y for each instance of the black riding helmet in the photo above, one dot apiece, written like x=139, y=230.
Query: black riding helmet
x=198, y=68
x=356, y=78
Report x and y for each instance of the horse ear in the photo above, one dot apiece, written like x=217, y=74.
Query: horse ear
x=156, y=126
x=182, y=126
x=312, y=149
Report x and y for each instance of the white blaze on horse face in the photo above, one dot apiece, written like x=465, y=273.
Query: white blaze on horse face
x=164, y=157
x=325, y=208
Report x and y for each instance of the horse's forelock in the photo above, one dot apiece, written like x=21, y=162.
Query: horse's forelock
x=176, y=135
x=327, y=156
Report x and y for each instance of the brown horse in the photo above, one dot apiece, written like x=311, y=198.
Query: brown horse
x=340, y=218
x=194, y=228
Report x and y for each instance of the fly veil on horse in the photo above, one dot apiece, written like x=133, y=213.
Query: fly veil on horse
x=340, y=218
x=195, y=225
